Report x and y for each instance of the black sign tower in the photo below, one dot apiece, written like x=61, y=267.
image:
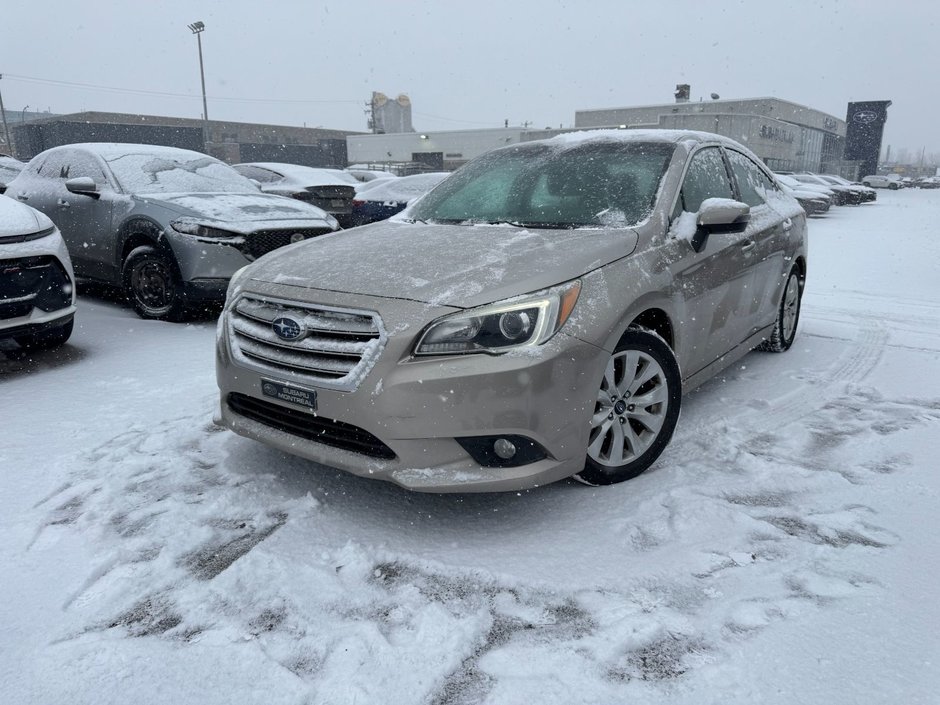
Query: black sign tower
x=865, y=124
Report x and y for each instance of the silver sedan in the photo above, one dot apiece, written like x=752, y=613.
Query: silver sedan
x=537, y=315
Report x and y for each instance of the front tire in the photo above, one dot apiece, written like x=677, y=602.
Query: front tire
x=152, y=284
x=788, y=316
x=635, y=411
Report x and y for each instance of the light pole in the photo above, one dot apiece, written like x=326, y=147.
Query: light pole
x=6, y=130
x=198, y=28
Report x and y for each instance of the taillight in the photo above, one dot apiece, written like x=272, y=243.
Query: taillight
x=358, y=203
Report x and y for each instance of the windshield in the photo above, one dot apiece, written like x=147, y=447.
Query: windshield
x=176, y=172
x=597, y=184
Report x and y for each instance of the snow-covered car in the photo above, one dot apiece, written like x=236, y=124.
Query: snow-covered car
x=9, y=169
x=537, y=315
x=37, y=285
x=381, y=199
x=888, y=182
x=844, y=195
x=928, y=182
x=813, y=201
x=332, y=190
x=868, y=193
x=364, y=175
x=169, y=225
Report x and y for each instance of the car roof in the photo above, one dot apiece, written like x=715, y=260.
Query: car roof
x=301, y=171
x=112, y=150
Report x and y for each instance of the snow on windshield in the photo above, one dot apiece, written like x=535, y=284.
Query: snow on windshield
x=610, y=183
x=169, y=172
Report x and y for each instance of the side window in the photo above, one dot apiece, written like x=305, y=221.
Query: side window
x=85, y=165
x=258, y=174
x=55, y=166
x=753, y=184
x=706, y=177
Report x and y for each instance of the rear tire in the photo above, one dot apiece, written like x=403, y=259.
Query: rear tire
x=46, y=339
x=152, y=284
x=788, y=316
x=635, y=411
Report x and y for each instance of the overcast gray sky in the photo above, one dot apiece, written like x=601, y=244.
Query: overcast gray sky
x=471, y=64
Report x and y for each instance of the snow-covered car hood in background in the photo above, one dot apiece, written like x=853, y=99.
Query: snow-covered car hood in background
x=234, y=209
x=19, y=219
x=455, y=265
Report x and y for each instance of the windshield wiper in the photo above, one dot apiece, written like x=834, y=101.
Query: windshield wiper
x=532, y=224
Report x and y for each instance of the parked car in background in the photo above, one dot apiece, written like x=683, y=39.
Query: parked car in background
x=381, y=199
x=876, y=181
x=867, y=192
x=537, y=315
x=367, y=175
x=329, y=189
x=928, y=182
x=169, y=225
x=37, y=285
x=844, y=195
x=9, y=169
x=814, y=201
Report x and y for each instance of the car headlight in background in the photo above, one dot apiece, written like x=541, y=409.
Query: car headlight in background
x=520, y=322
x=332, y=222
x=187, y=226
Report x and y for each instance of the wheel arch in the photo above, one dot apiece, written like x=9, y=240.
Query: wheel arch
x=137, y=232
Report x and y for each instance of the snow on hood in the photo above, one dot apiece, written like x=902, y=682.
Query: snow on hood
x=453, y=265
x=238, y=207
x=19, y=219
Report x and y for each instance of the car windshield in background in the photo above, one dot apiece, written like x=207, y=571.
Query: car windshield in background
x=169, y=173
x=612, y=184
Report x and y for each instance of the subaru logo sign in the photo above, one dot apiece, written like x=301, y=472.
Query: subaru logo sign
x=866, y=117
x=288, y=328
x=296, y=237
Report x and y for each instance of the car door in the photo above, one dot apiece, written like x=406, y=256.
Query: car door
x=85, y=219
x=711, y=284
x=766, y=237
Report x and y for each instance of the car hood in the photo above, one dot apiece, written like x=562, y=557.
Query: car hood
x=447, y=265
x=239, y=212
x=19, y=219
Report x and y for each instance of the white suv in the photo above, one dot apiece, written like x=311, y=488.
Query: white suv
x=37, y=285
x=875, y=181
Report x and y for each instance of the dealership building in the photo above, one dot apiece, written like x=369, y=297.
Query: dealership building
x=787, y=136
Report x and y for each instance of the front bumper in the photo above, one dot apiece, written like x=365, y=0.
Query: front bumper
x=417, y=407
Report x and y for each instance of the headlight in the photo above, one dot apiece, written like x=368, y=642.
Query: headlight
x=188, y=226
x=516, y=323
x=234, y=284
x=332, y=222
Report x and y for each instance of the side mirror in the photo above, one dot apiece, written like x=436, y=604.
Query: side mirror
x=719, y=215
x=256, y=183
x=84, y=185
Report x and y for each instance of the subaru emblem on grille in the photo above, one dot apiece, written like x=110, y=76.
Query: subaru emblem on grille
x=296, y=237
x=288, y=328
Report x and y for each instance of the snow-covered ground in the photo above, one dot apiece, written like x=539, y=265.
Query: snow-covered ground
x=784, y=549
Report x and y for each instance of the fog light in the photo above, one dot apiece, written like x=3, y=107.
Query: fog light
x=504, y=448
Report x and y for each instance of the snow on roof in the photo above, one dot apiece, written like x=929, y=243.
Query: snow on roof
x=113, y=150
x=315, y=176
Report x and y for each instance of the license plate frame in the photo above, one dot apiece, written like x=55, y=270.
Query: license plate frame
x=290, y=393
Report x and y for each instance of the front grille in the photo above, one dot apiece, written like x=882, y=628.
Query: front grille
x=339, y=347
x=33, y=282
x=265, y=241
x=308, y=425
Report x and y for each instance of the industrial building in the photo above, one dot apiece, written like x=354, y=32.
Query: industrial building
x=787, y=136
x=232, y=142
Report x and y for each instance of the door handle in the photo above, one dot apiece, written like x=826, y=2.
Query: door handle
x=64, y=204
x=23, y=196
x=747, y=246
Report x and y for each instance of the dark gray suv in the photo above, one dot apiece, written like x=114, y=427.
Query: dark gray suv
x=169, y=225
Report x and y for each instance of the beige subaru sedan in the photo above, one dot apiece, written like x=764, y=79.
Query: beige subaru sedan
x=537, y=316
